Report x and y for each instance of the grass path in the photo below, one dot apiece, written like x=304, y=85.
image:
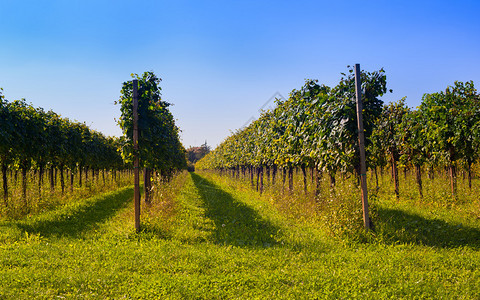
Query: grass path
x=220, y=243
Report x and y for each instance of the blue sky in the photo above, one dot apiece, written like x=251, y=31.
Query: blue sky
x=220, y=61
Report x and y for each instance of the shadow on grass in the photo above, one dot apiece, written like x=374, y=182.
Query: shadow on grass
x=235, y=223
x=397, y=226
x=74, y=220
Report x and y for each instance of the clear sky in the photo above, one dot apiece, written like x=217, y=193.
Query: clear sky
x=221, y=61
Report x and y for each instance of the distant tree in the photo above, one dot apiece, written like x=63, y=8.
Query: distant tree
x=194, y=154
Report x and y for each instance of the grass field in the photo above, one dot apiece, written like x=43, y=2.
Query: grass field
x=210, y=238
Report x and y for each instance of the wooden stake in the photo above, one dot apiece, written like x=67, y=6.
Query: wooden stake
x=361, y=143
x=136, y=160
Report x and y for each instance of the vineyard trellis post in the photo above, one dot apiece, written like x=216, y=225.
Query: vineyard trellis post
x=361, y=143
x=136, y=160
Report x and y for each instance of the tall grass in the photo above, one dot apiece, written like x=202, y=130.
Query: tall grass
x=41, y=198
x=338, y=207
x=158, y=215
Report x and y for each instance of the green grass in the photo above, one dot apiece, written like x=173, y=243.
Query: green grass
x=39, y=200
x=212, y=238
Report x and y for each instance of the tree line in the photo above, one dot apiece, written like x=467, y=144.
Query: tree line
x=315, y=128
x=44, y=144
x=32, y=139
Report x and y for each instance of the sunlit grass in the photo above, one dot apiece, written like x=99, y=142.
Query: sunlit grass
x=338, y=209
x=41, y=198
x=273, y=246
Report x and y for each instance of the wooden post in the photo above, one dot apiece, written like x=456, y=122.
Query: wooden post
x=136, y=160
x=361, y=143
